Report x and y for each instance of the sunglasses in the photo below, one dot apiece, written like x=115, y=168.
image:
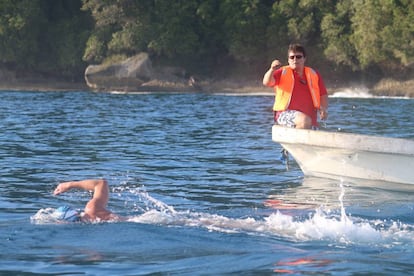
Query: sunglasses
x=296, y=56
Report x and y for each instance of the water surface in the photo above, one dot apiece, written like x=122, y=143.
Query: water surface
x=202, y=184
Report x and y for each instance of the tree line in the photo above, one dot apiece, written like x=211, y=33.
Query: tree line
x=61, y=37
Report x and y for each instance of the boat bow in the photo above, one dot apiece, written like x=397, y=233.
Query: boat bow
x=341, y=155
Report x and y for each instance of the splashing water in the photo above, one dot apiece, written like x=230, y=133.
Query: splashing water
x=48, y=216
x=141, y=200
x=320, y=225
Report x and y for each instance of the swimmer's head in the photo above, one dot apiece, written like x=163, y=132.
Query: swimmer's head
x=67, y=214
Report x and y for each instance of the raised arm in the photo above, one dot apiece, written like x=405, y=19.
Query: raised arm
x=96, y=207
x=268, y=79
x=94, y=185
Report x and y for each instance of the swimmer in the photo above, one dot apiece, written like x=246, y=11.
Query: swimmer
x=95, y=210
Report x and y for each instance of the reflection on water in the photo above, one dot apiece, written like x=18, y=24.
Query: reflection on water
x=381, y=204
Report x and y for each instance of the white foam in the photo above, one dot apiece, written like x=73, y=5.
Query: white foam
x=318, y=227
x=45, y=216
x=360, y=92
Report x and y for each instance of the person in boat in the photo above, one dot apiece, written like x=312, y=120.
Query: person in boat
x=300, y=91
x=95, y=209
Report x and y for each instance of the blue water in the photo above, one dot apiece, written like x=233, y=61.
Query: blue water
x=202, y=184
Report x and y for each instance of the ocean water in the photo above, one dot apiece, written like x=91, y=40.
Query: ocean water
x=202, y=184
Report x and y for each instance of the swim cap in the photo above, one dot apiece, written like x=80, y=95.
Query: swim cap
x=66, y=213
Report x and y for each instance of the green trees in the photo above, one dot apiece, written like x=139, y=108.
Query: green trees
x=178, y=31
x=45, y=36
x=371, y=33
x=245, y=23
x=336, y=31
x=20, y=26
x=60, y=37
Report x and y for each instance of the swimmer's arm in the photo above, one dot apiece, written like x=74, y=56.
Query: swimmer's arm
x=98, y=186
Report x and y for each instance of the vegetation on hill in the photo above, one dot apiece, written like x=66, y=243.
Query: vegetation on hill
x=363, y=40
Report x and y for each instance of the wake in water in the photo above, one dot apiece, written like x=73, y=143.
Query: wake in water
x=320, y=225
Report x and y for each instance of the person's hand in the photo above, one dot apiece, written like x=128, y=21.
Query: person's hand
x=323, y=113
x=275, y=64
x=61, y=188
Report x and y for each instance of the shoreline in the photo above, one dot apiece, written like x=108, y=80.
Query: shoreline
x=386, y=87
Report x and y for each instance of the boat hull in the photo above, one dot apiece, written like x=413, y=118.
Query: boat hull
x=342, y=155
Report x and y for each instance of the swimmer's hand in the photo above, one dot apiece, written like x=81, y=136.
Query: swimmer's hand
x=61, y=188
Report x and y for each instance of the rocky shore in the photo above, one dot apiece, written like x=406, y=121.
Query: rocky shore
x=390, y=88
x=138, y=74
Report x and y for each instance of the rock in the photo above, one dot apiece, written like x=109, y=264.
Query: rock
x=127, y=74
x=135, y=74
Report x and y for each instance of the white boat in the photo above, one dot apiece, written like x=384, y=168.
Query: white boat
x=340, y=155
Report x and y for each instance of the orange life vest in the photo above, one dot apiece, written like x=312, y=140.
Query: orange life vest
x=285, y=87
